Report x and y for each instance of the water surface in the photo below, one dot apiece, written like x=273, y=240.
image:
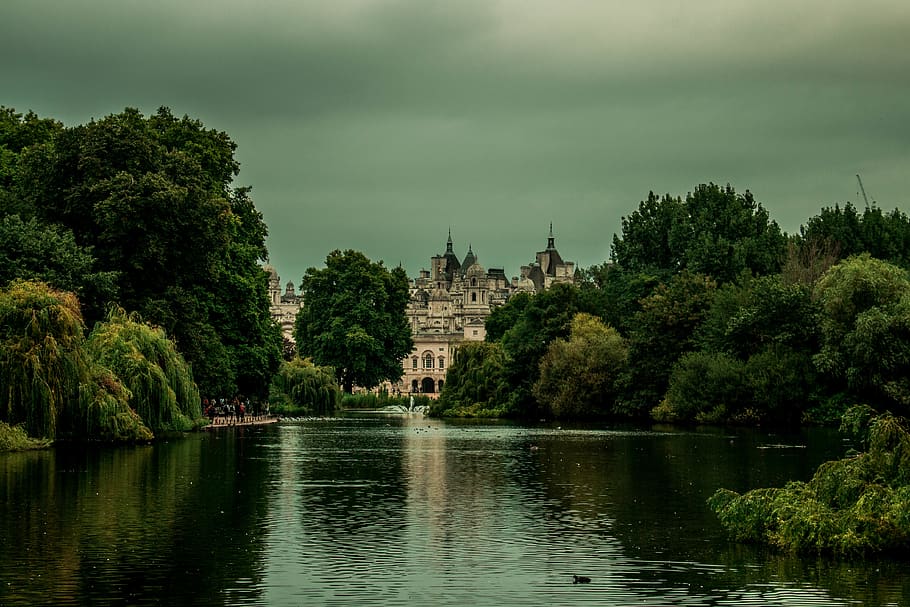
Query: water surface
x=402, y=510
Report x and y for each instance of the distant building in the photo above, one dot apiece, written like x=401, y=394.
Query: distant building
x=448, y=305
x=284, y=307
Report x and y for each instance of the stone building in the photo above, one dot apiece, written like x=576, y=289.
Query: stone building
x=283, y=307
x=449, y=304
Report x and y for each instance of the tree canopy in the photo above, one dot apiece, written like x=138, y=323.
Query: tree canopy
x=140, y=211
x=353, y=319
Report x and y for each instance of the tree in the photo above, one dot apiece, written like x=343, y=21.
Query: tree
x=150, y=199
x=353, y=319
x=884, y=236
x=664, y=330
x=546, y=316
x=476, y=383
x=299, y=384
x=578, y=376
x=51, y=384
x=31, y=250
x=714, y=231
x=865, y=330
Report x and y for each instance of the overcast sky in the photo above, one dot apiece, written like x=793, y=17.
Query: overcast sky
x=378, y=125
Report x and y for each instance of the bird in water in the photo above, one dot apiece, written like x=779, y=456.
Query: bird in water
x=581, y=579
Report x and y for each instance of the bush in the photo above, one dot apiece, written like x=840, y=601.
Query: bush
x=853, y=506
x=14, y=438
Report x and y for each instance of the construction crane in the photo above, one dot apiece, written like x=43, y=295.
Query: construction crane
x=862, y=189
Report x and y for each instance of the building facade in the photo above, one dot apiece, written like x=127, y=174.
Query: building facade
x=451, y=301
x=448, y=305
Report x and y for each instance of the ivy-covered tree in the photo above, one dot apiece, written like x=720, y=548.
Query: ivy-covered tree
x=353, y=319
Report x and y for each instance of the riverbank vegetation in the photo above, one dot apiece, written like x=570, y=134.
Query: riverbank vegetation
x=303, y=388
x=852, y=506
x=708, y=313
x=136, y=214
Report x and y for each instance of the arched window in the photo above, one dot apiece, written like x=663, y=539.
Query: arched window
x=473, y=282
x=428, y=361
x=413, y=362
x=441, y=384
x=415, y=386
x=473, y=297
x=442, y=362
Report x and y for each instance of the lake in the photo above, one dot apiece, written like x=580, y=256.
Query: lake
x=372, y=509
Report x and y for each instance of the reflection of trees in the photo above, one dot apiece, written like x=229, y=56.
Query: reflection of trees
x=141, y=523
x=646, y=492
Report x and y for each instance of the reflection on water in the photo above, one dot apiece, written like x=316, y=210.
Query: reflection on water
x=401, y=510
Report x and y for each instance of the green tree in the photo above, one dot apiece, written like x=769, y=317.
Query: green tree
x=883, y=235
x=578, y=376
x=546, y=316
x=865, y=330
x=663, y=330
x=30, y=250
x=476, y=383
x=51, y=385
x=150, y=198
x=301, y=385
x=353, y=319
x=714, y=231
x=159, y=380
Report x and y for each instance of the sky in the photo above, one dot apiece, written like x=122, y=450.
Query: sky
x=380, y=125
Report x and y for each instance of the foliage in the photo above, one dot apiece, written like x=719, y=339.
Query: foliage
x=546, y=316
x=33, y=251
x=305, y=387
x=15, y=438
x=149, y=198
x=705, y=387
x=476, y=383
x=885, y=236
x=163, y=392
x=354, y=319
x=53, y=387
x=578, y=376
x=865, y=330
x=852, y=506
x=714, y=231
x=663, y=330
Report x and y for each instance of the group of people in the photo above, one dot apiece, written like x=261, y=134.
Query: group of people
x=230, y=411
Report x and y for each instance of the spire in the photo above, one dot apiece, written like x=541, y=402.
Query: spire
x=550, y=240
x=449, y=242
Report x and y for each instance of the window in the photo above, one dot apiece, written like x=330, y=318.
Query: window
x=428, y=361
x=442, y=362
x=473, y=297
x=475, y=331
x=414, y=362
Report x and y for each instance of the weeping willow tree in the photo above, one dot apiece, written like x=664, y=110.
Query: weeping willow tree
x=163, y=392
x=304, y=386
x=476, y=383
x=49, y=385
x=852, y=506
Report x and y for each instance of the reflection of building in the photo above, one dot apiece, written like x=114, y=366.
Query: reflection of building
x=283, y=307
x=449, y=304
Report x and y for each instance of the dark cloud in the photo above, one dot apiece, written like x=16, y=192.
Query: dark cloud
x=377, y=125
